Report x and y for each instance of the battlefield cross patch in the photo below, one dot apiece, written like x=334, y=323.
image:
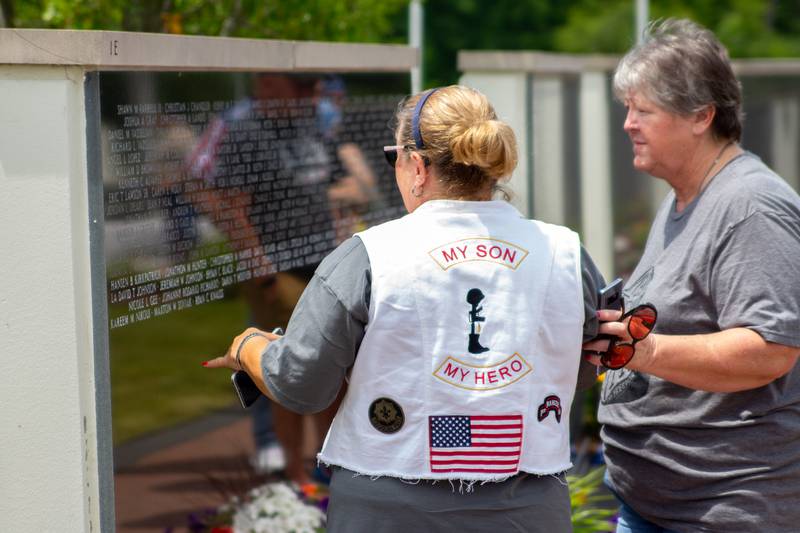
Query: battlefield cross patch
x=474, y=297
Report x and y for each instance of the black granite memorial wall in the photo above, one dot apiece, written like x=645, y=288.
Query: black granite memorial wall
x=214, y=179
x=222, y=192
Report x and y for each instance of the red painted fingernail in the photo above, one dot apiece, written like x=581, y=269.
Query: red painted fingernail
x=205, y=363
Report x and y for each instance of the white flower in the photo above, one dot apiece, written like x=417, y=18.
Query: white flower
x=276, y=508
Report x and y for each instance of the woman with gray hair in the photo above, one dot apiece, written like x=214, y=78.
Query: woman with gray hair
x=700, y=428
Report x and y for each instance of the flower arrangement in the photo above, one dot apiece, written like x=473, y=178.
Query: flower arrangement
x=276, y=507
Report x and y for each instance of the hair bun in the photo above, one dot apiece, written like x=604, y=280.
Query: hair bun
x=464, y=140
x=488, y=144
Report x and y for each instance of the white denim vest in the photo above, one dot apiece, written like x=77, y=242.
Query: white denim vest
x=470, y=357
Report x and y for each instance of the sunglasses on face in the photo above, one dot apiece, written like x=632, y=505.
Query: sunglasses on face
x=390, y=153
x=642, y=321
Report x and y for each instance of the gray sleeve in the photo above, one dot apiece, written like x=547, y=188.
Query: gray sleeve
x=304, y=370
x=755, y=276
x=592, y=282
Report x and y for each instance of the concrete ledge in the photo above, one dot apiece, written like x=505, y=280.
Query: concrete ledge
x=537, y=62
x=767, y=67
x=113, y=50
x=354, y=57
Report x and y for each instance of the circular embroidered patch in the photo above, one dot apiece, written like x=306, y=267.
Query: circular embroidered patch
x=386, y=415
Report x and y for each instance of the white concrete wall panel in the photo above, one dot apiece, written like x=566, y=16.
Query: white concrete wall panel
x=45, y=311
x=786, y=138
x=508, y=94
x=547, y=132
x=595, y=148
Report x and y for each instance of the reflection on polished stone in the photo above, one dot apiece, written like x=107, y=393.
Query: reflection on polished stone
x=214, y=180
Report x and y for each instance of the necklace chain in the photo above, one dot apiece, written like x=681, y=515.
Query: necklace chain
x=707, y=175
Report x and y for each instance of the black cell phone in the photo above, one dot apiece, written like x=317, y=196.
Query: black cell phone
x=610, y=297
x=246, y=389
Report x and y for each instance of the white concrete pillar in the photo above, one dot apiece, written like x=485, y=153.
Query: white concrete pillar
x=508, y=93
x=547, y=140
x=595, y=149
x=415, y=39
x=642, y=17
x=786, y=138
x=49, y=437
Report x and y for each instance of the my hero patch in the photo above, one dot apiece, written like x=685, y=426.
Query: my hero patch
x=464, y=375
x=550, y=404
x=386, y=415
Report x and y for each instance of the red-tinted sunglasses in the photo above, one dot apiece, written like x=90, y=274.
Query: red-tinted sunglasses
x=642, y=321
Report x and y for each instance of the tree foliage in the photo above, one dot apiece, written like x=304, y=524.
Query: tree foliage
x=748, y=28
x=453, y=25
x=345, y=20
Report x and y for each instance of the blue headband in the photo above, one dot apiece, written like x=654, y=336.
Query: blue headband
x=415, y=119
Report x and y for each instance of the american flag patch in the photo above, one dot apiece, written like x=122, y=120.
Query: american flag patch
x=487, y=444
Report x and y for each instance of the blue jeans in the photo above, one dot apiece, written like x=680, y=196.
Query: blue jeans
x=263, y=430
x=629, y=521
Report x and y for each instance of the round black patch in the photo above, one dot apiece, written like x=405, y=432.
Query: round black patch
x=386, y=415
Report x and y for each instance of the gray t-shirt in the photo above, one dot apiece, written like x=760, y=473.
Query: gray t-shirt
x=699, y=461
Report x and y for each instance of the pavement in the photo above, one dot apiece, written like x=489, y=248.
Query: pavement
x=161, y=479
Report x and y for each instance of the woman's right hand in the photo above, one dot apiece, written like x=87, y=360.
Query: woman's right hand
x=244, y=352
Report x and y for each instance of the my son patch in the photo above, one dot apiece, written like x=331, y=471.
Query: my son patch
x=478, y=249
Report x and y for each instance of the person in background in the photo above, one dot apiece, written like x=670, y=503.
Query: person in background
x=700, y=429
x=355, y=192
x=305, y=148
x=458, y=328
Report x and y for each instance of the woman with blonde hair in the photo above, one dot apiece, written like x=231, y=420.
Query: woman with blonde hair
x=458, y=328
